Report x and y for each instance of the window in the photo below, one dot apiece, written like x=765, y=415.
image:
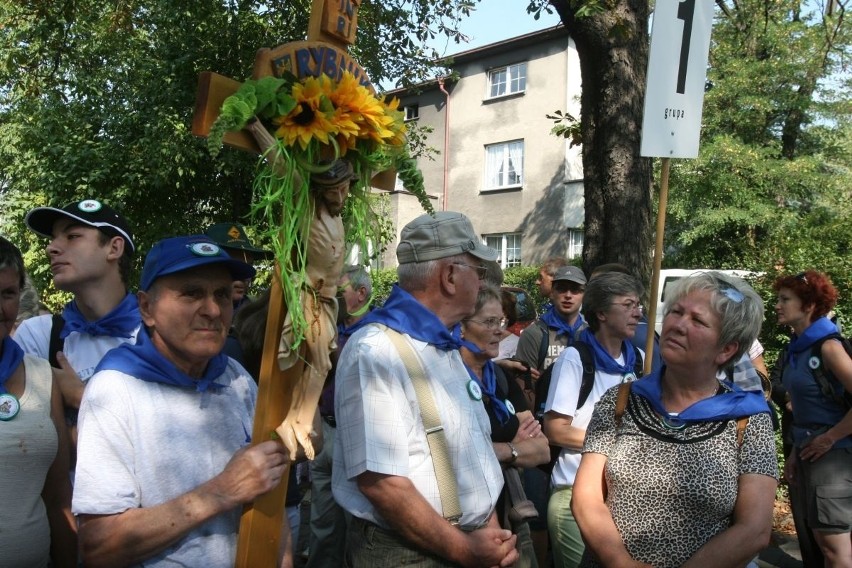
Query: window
x=412, y=112
x=575, y=243
x=508, y=245
x=504, y=165
x=507, y=80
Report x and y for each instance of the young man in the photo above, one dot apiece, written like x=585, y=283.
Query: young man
x=386, y=472
x=560, y=322
x=163, y=468
x=90, y=249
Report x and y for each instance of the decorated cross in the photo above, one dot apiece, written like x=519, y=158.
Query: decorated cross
x=332, y=29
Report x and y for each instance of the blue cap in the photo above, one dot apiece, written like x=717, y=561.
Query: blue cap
x=182, y=253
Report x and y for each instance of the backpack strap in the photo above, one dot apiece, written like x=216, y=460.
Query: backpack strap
x=56, y=343
x=588, y=379
x=621, y=401
x=742, y=423
x=823, y=376
x=502, y=380
x=639, y=362
x=545, y=342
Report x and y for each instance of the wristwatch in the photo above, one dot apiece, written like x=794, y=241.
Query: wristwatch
x=514, y=452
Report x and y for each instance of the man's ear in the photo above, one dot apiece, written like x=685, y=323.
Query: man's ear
x=146, y=301
x=116, y=248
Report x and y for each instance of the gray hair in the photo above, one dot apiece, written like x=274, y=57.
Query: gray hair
x=358, y=278
x=487, y=294
x=738, y=306
x=415, y=276
x=602, y=289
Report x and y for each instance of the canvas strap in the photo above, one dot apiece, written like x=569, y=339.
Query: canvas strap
x=447, y=486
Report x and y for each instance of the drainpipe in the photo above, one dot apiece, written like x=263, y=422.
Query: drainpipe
x=446, y=145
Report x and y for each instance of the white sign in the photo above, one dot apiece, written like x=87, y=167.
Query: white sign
x=677, y=68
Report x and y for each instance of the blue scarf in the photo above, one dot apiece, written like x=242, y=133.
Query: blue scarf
x=562, y=327
x=120, y=322
x=816, y=331
x=403, y=313
x=9, y=360
x=727, y=405
x=606, y=362
x=489, y=384
x=144, y=362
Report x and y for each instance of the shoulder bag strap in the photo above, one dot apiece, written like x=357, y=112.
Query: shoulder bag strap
x=447, y=486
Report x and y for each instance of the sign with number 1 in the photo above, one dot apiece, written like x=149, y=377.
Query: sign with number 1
x=674, y=94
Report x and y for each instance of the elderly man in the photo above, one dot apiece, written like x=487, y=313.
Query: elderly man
x=402, y=368
x=163, y=468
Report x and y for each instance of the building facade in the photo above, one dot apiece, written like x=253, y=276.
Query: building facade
x=497, y=161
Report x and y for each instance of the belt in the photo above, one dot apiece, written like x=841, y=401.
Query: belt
x=329, y=419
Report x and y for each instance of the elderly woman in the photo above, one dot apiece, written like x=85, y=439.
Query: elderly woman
x=816, y=372
x=36, y=525
x=612, y=310
x=679, y=468
x=515, y=435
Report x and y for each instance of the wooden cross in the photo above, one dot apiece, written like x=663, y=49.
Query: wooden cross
x=331, y=30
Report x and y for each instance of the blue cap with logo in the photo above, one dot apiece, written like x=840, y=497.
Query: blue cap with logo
x=176, y=254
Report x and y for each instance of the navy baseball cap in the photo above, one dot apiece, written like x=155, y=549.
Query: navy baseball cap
x=176, y=254
x=89, y=212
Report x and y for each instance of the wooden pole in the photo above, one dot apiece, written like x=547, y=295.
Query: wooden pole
x=658, y=259
x=260, y=524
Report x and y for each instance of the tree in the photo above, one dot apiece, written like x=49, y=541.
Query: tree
x=97, y=101
x=612, y=43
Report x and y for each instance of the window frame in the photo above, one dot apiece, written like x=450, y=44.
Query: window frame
x=503, y=248
x=506, y=168
x=514, y=74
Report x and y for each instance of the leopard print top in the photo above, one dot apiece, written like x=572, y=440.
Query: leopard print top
x=670, y=491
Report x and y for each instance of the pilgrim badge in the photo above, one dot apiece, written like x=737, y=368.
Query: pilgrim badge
x=474, y=390
x=89, y=206
x=510, y=407
x=813, y=363
x=9, y=406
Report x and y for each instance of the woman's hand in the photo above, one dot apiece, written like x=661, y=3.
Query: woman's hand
x=816, y=448
x=528, y=427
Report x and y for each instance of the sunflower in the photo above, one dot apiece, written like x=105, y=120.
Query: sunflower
x=310, y=119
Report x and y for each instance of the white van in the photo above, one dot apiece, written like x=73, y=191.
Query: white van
x=669, y=276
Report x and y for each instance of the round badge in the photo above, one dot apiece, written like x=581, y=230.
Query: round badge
x=813, y=363
x=510, y=407
x=204, y=249
x=628, y=378
x=474, y=390
x=89, y=206
x=9, y=406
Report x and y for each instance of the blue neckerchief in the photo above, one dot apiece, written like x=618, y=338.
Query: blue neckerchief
x=816, y=331
x=403, y=313
x=489, y=384
x=727, y=405
x=9, y=360
x=120, y=322
x=562, y=327
x=606, y=362
x=144, y=362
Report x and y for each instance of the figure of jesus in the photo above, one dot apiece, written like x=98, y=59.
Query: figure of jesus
x=326, y=249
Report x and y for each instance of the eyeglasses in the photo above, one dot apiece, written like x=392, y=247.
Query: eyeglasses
x=492, y=323
x=342, y=288
x=631, y=305
x=481, y=271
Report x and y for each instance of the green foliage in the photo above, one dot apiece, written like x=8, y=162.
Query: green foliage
x=383, y=280
x=524, y=277
x=97, y=101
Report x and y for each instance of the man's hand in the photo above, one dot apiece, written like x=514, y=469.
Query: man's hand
x=252, y=471
x=490, y=546
x=69, y=382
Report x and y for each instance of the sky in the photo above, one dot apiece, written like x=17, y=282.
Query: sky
x=497, y=20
